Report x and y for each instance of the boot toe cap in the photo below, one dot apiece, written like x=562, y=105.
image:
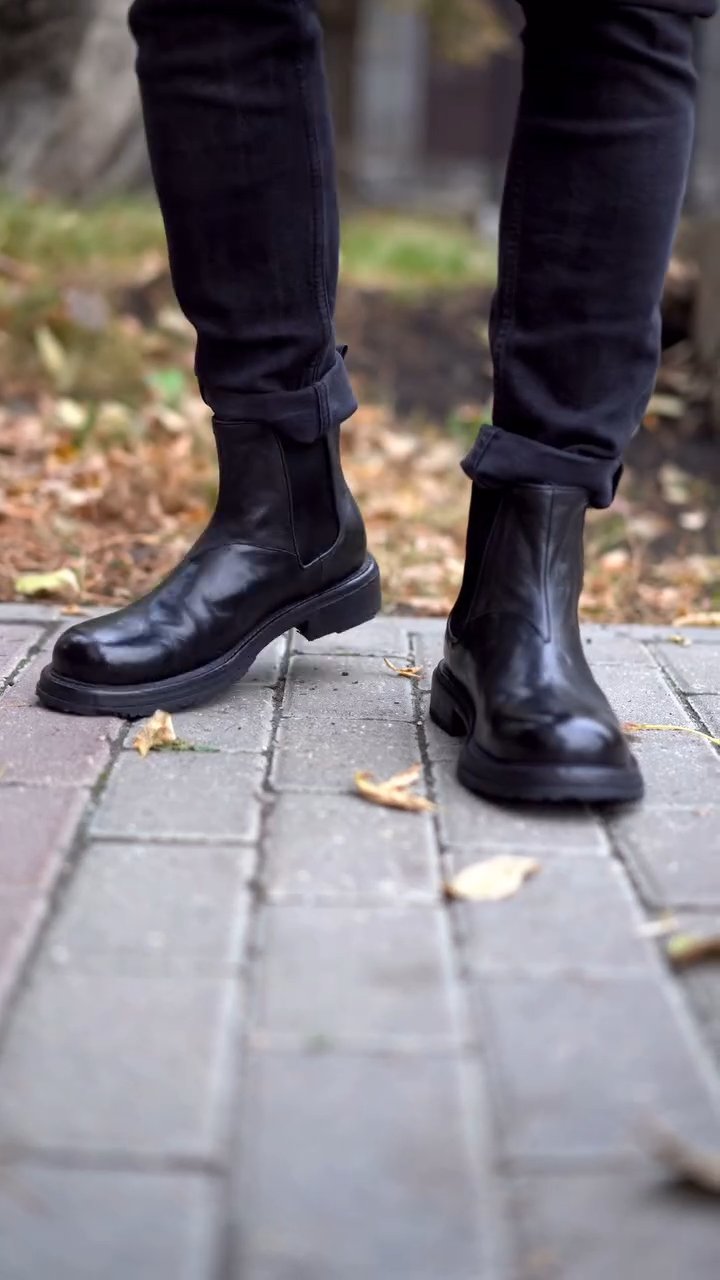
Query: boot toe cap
x=80, y=655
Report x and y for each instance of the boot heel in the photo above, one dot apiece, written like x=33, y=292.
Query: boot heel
x=443, y=711
x=351, y=610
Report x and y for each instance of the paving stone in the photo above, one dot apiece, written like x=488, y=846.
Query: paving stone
x=237, y=721
x=151, y=908
x=582, y=1063
x=640, y=696
x=679, y=770
x=355, y=1168
x=75, y=1224
x=673, y=854
x=576, y=914
x=592, y=1226
x=348, y=975
x=21, y=914
x=37, y=826
x=612, y=646
x=695, y=669
x=327, y=757
x=323, y=848
x=339, y=689
x=381, y=638
x=428, y=652
x=40, y=747
x=474, y=824
x=181, y=796
x=267, y=667
x=26, y=612
x=15, y=642
x=115, y=1064
x=708, y=708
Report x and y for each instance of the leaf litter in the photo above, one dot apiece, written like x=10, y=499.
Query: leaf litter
x=158, y=734
x=492, y=879
x=410, y=673
x=631, y=727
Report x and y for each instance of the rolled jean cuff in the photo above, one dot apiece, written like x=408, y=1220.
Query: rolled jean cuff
x=304, y=415
x=502, y=458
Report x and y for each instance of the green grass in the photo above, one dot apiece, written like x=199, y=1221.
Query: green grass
x=56, y=237
x=404, y=252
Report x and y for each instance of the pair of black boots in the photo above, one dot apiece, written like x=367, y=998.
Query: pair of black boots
x=286, y=547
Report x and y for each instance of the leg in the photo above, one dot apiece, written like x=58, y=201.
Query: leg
x=240, y=139
x=594, y=189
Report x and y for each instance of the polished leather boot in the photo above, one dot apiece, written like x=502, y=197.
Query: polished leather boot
x=514, y=681
x=285, y=548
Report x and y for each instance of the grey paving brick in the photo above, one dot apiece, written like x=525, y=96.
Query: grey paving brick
x=21, y=916
x=640, y=696
x=128, y=1065
x=613, y=646
x=15, y=642
x=27, y=612
x=679, y=770
x=323, y=848
x=440, y=745
x=695, y=669
x=593, y=1226
x=337, y=689
x=474, y=824
x=151, y=908
x=576, y=914
x=673, y=854
x=75, y=1224
x=40, y=747
x=181, y=796
x=582, y=1063
x=708, y=708
x=428, y=652
x=356, y=976
x=310, y=754
x=357, y=1168
x=237, y=721
x=381, y=638
x=37, y=826
x=267, y=667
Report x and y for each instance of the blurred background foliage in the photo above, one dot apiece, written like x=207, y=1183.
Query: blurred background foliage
x=106, y=464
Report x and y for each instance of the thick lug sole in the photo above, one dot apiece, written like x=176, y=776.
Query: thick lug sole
x=348, y=604
x=451, y=709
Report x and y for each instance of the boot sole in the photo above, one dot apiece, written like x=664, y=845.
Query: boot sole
x=348, y=604
x=452, y=710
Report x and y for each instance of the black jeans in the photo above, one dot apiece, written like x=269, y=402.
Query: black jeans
x=239, y=132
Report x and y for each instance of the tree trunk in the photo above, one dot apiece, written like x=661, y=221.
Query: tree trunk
x=69, y=111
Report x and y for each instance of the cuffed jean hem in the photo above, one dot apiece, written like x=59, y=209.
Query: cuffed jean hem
x=502, y=458
x=304, y=415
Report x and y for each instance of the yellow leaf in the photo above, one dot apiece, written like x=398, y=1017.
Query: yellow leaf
x=395, y=792
x=52, y=353
x=410, y=673
x=693, y=1165
x=686, y=949
x=631, y=727
x=157, y=732
x=493, y=879
x=61, y=582
x=698, y=620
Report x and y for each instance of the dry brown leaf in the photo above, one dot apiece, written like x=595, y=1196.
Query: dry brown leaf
x=157, y=732
x=410, y=673
x=698, y=620
x=631, y=727
x=61, y=582
x=395, y=792
x=686, y=949
x=693, y=1165
x=493, y=879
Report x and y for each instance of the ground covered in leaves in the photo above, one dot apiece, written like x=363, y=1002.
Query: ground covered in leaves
x=107, y=468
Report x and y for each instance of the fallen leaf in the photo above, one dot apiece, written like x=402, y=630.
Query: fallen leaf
x=52, y=354
x=686, y=949
x=73, y=611
x=697, y=1166
x=660, y=928
x=60, y=582
x=410, y=673
x=631, y=727
x=698, y=620
x=395, y=792
x=156, y=733
x=493, y=879
x=683, y=641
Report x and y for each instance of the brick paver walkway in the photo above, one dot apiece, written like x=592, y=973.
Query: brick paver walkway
x=245, y=1038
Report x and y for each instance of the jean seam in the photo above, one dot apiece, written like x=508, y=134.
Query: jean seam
x=510, y=267
x=316, y=174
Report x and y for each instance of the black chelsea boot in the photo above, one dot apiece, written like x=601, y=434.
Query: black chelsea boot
x=514, y=681
x=285, y=548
